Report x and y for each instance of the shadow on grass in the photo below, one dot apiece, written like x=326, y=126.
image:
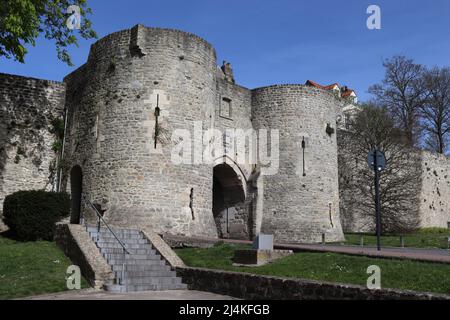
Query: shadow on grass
x=10, y=235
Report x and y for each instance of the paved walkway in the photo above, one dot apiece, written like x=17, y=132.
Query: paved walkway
x=91, y=294
x=417, y=254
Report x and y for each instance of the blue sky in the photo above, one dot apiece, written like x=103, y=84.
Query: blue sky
x=282, y=41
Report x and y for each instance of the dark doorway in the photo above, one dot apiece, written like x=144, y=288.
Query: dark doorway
x=229, y=210
x=76, y=188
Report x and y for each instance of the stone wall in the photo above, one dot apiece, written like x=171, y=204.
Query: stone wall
x=300, y=205
x=232, y=110
x=27, y=108
x=162, y=248
x=111, y=129
x=435, y=190
x=256, y=287
x=76, y=244
x=427, y=196
x=117, y=156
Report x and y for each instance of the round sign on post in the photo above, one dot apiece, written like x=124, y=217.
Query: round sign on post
x=380, y=159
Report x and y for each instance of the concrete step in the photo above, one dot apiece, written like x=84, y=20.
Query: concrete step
x=141, y=268
x=136, y=288
x=124, y=241
x=108, y=236
x=116, y=245
x=111, y=236
x=149, y=281
x=140, y=274
x=127, y=257
x=130, y=250
x=116, y=262
x=116, y=231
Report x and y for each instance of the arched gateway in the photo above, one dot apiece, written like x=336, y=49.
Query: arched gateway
x=230, y=208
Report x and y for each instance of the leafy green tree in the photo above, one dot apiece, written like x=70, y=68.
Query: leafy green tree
x=22, y=21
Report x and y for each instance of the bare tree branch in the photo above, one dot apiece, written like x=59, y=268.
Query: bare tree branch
x=373, y=127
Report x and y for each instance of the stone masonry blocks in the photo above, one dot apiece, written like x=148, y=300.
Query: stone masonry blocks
x=300, y=205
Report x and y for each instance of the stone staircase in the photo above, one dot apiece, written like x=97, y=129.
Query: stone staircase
x=141, y=270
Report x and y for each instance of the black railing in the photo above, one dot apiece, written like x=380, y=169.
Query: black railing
x=100, y=220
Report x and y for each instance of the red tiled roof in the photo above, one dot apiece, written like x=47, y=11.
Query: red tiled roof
x=344, y=94
x=331, y=86
x=347, y=93
x=313, y=84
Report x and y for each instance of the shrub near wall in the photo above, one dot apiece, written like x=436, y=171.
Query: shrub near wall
x=32, y=215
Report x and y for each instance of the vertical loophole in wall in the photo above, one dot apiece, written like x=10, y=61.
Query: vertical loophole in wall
x=191, y=203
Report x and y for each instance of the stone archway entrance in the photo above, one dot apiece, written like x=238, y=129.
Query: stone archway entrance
x=229, y=207
x=76, y=189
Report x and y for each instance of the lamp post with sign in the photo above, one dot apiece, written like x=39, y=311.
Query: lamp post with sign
x=377, y=161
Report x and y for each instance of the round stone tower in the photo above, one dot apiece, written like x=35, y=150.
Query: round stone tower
x=137, y=87
x=301, y=200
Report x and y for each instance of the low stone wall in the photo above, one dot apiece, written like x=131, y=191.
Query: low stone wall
x=81, y=250
x=177, y=242
x=256, y=287
x=163, y=248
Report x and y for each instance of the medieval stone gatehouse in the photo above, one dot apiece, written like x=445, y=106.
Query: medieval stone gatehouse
x=140, y=117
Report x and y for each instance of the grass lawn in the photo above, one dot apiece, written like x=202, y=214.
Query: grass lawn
x=425, y=238
x=30, y=268
x=331, y=267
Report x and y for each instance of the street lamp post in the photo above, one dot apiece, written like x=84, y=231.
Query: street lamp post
x=377, y=161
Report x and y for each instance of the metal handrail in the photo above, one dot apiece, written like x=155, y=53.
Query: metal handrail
x=100, y=218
